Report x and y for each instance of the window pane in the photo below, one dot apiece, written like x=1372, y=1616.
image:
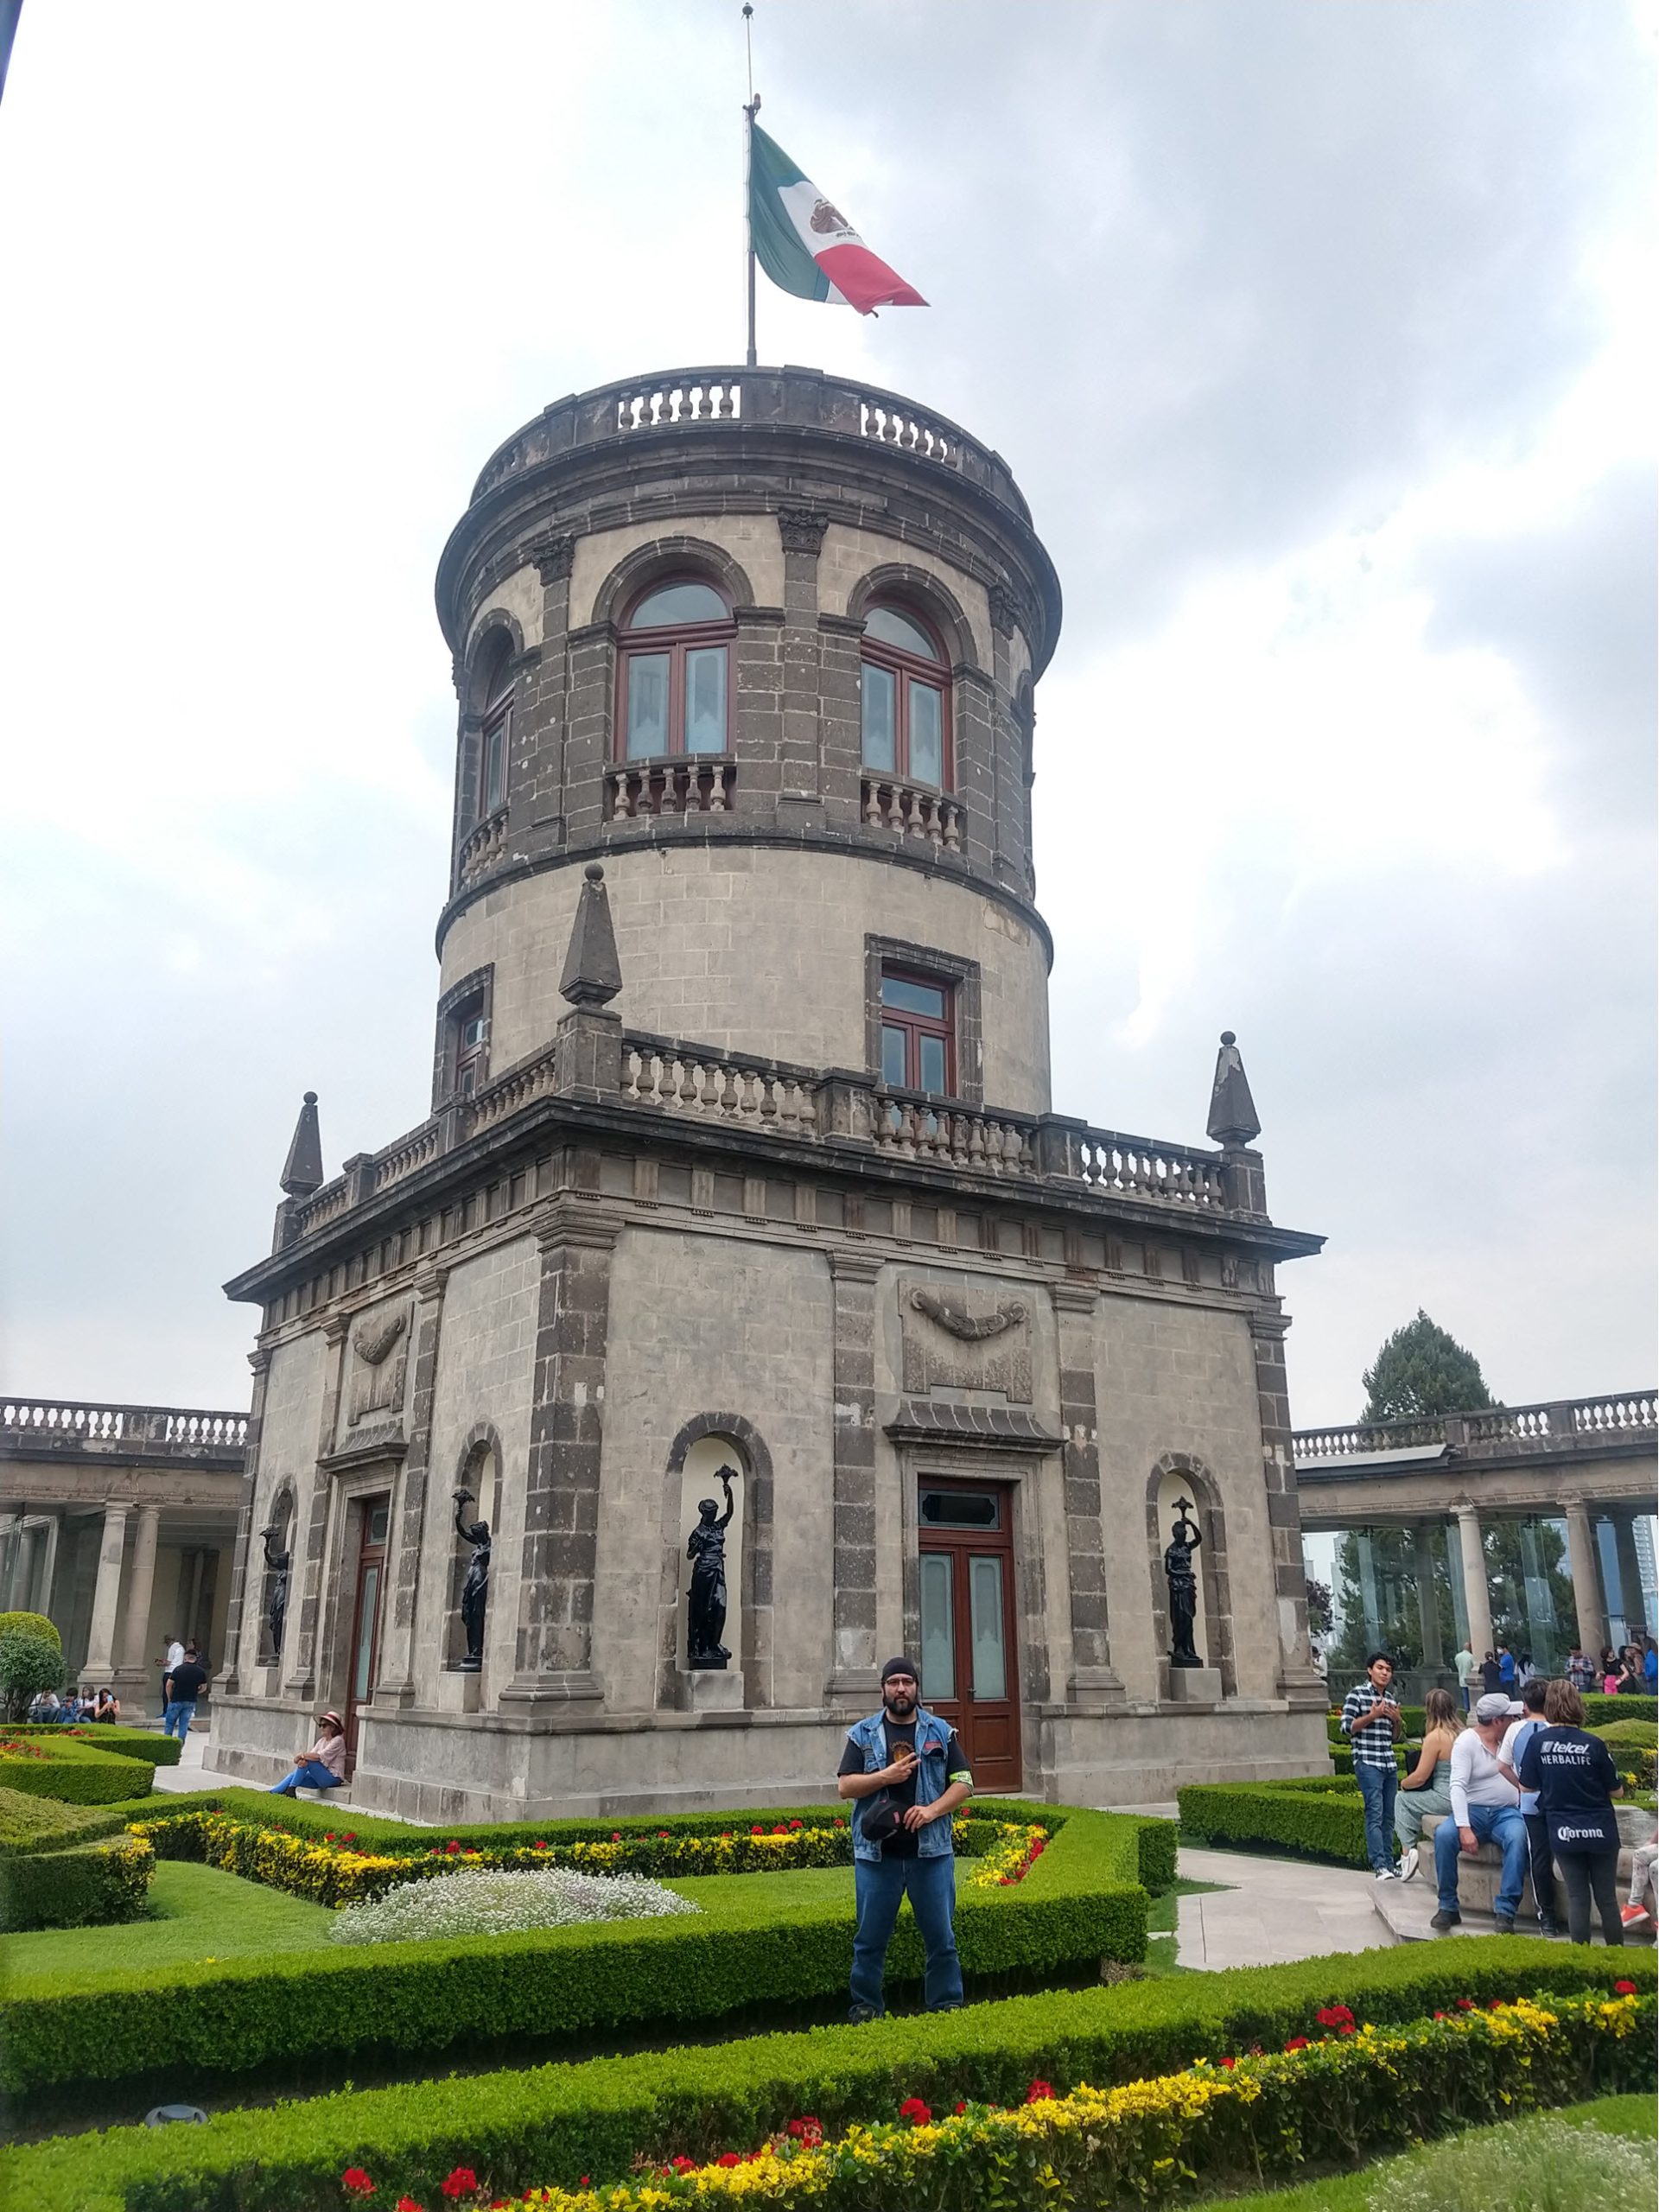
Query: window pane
x=961, y=1509
x=938, y=1630
x=985, y=1601
x=705, y=700
x=879, y=684
x=647, y=704
x=896, y=629
x=368, y=1599
x=678, y=603
x=932, y=1062
x=912, y=998
x=894, y=1068
x=927, y=735
x=495, y=765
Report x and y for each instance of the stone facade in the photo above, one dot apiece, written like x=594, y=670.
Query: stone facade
x=671, y=1213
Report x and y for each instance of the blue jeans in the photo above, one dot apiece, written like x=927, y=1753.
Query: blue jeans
x=1379, y=1786
x=880, y=1885
x=1499, y=1824
x=176, y=1721
x=309, y=1774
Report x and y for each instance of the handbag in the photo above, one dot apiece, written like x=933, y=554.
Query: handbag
x=881, y=1818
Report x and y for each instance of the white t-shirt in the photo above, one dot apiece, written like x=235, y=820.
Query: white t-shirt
x=1514, y=1745
x=1475, y=1779
x=174, y=1658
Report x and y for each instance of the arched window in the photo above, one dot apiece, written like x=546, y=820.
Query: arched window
x=497, y=694
x=673, y=683
x=905, y=692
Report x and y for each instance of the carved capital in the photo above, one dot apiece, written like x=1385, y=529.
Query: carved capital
x=553, y=557
x=1004, y=610
x=802, y=529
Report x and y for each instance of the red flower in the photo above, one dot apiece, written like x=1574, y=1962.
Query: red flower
x=1334, y=2016
x=960, y=2106
x=1348, y=2030
x=462, y=2182
x=757, y=1830
x=356, y=2183
x=728, y=2159
x=408, y=2204
x=1297, y=2043
x=330, y=1837
x=795, y=1824
x=616, y=1835
x=538, y=1844
x=350, y=1836
x=780, y=1829
x=1230, y=2062
x=1439, y=2016
x=915, y=2112
x=452, y=1847
x=662, y=1835
x=1624, y=1989
x=1037, y=2093
x=684, y=2165
x=1465, y=2004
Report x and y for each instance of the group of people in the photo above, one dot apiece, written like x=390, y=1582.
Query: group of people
x=1631, y=1671
x=75, y=1707
x=184, y=1677
x=1523, y=1774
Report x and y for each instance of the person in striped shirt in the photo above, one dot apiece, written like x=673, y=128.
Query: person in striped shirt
x=1372, y=1723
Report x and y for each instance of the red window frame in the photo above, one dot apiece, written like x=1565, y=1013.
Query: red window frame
x=907, y=668
x=677, y=640
x=914, y=1027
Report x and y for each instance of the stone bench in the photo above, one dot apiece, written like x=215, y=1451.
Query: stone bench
x=1478, y=1878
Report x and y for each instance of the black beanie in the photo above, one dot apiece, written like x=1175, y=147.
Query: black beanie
x=900, y=1667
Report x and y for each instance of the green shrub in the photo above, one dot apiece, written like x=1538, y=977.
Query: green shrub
x=1537, y=2166
x=30, y=1625
x=522, y=2127
x=1598, y=1708
x=1640, y=1735
x=90, y=1886
x=150, y=1746
x=31, y=1823
x=1342, y=1757
x=1413, y=1718
x=1081, y=1903
x=30, y=1663
x=1304, y=1817
x=62, y=1766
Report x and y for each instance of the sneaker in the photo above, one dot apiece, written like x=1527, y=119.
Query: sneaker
x=1635, y=1915
x=861, y=2014
x=1442, y=1921
x=1386, y=1874
x=1408, y=1864
x=1503, y=1923
x=1551, y=1928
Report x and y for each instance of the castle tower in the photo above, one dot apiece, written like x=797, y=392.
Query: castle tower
x=741, y=1184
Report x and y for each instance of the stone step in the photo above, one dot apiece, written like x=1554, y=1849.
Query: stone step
x=1478, y=1878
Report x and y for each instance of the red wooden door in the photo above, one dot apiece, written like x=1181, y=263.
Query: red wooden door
x=970, y=1673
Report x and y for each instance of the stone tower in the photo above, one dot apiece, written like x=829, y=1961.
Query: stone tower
x=742, y=1169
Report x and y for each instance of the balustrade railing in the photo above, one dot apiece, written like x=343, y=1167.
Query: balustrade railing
x=321, y=1207
x=59, y=1424
x=481, y=850
x=409, y=1153
x=691, y=783
x=677, y=400
x=511, y=1093
x=910, y=811
x=1554, y=1423
x=719, y=1087
x=918, y=1128
x=1141, y=1168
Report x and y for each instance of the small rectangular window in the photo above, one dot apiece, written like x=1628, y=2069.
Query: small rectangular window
x=493, y=791
x=472, y=1035
x=880, y=740
x=918, y=1034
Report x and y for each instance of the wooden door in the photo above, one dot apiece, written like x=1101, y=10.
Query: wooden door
x=376, y=1513
x=970, y=1670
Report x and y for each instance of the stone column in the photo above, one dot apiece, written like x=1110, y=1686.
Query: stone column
x=1630, y=1574
x=801, y=532
x=554, y=1652
x=1477, y=1600
x=1428, y=1610
x=853, y=1674
x=1587, y=1601
x=11, y=1564
x=397, y=1684
x=1093, y=1679
x=1297, y=1679
x=49, y=1566
x=106, y=1596
x=306, y=1569
x=229, y=1683
x=136, y=1684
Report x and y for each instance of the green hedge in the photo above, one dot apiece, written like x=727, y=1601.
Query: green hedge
x=1317, y=1817
x=146, y=1744
x=90, y=1885
x=519, y=2127
x=1413, y=1717
x=30, y=1823
x=1082, y=1902
x=1598, y=1709
x=75, y=1772
x=1342, y=1757
x=30, y=1625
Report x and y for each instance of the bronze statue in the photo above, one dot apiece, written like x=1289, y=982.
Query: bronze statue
x=277, y=1597
x=705, y=1605
x=475, y=1590
x=1184, y=1540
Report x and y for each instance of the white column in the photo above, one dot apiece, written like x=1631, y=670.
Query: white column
x=1586, y=1577
x=106, y=1597
x=137, y=1683
x=1477, y=1601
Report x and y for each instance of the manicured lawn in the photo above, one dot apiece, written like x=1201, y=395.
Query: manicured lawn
x=1352, y=2192
x=1162, y=1917
x=196, y=1913
x=799, y=1886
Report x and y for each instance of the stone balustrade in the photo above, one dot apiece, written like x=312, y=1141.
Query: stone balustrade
x=677, y=1078
x=910, y=811
x=408, y=1154
x=915, y=1127
x=482, y=849
x=33, y=1427
x=1553, y=1425
x=689, y=783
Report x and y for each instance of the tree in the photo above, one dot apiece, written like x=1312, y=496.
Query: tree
x=1318, y=1605
x=1420, y=1372
x=28, y=1664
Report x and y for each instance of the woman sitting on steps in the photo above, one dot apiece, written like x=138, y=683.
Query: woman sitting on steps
x=1427, y=1788
x=323, y=1767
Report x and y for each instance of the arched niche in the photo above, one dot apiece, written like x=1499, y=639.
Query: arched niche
x=1177, y=1475
x=706, y=1443
x=479, y=1469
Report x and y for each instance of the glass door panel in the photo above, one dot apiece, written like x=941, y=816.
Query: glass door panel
x=938, y=1630
x=363, y=1658
x=990, y=1655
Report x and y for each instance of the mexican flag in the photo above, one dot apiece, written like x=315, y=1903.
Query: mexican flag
x=806, y=244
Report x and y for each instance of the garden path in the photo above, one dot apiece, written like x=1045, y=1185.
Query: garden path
x=1272, y=1909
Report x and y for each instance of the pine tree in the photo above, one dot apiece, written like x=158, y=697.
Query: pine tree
x=1421, y=1372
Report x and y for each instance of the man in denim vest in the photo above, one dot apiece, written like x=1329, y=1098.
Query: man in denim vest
x=905, y=1770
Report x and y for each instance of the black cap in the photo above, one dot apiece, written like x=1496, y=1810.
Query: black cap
x=901, y=1667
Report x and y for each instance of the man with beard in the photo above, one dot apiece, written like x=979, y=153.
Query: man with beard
x=904, y=1768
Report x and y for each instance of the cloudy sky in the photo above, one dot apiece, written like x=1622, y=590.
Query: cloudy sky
x=1320, y=335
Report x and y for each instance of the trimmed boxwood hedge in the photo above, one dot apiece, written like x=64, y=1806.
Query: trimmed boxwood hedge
x=92, y=1885
x=147, y=1743
x=1318, y=1816
x=1082, y=1902
x=556, y=2123
x=1598, y=1708
x=30, y=1823
x=73, y=1772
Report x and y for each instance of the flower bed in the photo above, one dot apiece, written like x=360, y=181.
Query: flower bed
x=154, y=1749
x=489, y=1902
x=556, y=2123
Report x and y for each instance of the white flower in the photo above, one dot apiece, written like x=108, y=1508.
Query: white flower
x=494, y=1903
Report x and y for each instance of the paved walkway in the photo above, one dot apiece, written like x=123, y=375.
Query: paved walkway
x=193, y=1770
x=1274, y=1909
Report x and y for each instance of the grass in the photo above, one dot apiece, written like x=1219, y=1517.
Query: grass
x=1162, y=1917
x=196, y=1913
x=798, y=1885
x=1635, y=2115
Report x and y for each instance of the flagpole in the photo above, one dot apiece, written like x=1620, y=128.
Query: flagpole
x=749, y=172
